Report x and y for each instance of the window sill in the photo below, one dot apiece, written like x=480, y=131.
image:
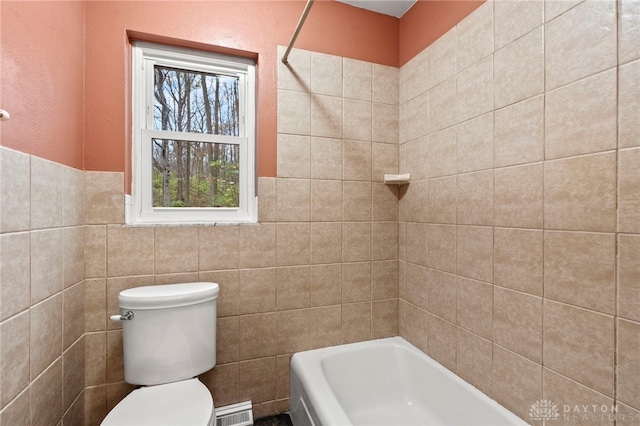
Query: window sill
x=130, y=222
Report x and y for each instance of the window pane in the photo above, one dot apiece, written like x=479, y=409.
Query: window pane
x=195, y=174
x=190, y=101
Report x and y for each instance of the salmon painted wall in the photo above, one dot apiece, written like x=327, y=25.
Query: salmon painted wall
x=427, y=20
x=65, y=64
x=42, y=78
x=255, y=27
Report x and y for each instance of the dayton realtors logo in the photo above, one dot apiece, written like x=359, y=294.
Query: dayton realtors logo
x=543, y=410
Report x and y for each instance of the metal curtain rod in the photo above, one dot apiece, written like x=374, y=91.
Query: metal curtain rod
x=285, y=57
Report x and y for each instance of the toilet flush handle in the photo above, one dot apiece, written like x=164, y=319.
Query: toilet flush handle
x=126, y=317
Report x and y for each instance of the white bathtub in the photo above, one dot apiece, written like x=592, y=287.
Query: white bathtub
x=385, y=382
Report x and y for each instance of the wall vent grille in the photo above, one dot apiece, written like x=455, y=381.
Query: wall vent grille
x=239, y=414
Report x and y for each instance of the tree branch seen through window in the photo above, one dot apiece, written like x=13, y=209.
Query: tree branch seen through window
x=189, y=173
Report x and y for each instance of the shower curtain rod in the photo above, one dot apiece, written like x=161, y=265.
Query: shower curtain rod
x=285, y=57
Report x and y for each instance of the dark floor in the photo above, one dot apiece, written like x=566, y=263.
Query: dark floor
x=282, y=419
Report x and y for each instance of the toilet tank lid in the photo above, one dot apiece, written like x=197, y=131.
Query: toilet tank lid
x=167, y=295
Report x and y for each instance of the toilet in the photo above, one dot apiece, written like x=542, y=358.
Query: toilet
x=169, y=338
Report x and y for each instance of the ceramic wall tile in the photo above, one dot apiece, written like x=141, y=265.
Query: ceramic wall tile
x=580, y=42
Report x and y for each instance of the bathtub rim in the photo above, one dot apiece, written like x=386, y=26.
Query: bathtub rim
x=318, y=392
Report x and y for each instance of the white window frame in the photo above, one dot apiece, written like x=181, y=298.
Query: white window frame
x=145, y=57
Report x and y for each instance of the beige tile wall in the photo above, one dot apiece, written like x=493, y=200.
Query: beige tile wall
x=321, y=267
x=520, y=129
x=42, y=291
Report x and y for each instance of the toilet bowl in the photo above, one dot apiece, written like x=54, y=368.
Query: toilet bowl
x=169, y=338
x=187, y=402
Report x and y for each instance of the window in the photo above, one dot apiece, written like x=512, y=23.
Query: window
x=193, y=137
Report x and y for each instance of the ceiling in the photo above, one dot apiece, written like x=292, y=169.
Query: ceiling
x=388, y=7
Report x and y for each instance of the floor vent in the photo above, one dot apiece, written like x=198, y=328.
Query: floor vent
x=239, y=414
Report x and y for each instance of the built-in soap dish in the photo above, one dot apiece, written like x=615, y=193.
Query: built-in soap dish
x=397, y=179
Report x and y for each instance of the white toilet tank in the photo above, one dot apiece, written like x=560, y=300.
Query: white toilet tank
x=172, y=334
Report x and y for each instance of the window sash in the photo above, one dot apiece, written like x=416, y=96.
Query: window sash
x=224, y=108
x=149, y=68
x=146, y=140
